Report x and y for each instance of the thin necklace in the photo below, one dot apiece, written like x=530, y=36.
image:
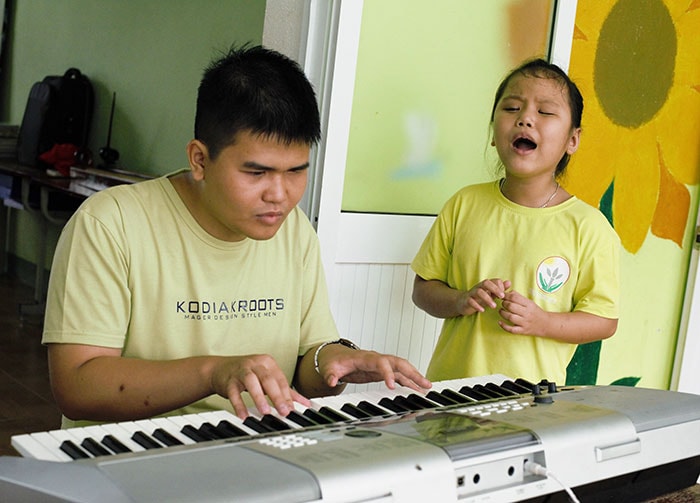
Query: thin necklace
x=551, y=197
x=546, y=203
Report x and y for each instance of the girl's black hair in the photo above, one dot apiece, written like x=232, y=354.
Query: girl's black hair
x=539, y=68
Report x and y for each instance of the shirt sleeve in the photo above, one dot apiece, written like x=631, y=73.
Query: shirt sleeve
x=433, y=257
x=88, y=300
x=598, y=288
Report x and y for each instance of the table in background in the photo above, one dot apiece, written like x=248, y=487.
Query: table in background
x=51, y=200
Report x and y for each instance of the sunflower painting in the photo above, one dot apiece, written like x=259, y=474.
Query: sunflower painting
x=637, y=63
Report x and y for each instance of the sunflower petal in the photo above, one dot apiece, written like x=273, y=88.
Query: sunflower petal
x=671, y=215
x=636, y=187
x=681, y=144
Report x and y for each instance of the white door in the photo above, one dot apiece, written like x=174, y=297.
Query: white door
x=367, y=255
x=686, y=369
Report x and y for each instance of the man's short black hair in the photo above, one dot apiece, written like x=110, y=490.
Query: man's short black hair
x=256, y=90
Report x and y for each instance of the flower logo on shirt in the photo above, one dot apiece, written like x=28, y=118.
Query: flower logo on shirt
x=552, y=273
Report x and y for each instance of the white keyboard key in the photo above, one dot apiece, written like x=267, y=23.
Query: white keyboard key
x=34, y=445
x=62, y=436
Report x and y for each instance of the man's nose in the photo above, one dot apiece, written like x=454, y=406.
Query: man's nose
x=275, y=189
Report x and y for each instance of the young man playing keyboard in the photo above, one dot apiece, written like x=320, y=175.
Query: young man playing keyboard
x=203, y=289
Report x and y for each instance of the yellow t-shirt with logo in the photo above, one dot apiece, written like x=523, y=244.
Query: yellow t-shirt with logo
x=133, y=270
x=565, y=258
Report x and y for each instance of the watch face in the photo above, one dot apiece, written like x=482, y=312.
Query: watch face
x=348, y=343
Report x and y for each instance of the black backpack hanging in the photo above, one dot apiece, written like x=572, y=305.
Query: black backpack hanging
x=59, y=111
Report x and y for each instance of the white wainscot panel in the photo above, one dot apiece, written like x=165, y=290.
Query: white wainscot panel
x=372, y=306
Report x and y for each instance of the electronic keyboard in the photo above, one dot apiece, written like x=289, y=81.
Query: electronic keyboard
x=484, y=439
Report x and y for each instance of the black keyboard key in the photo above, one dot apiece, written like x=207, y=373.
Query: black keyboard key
x=145, y=441
x=94, y=448
x=73, y=450
x=471, y=393
x=166, y=438
x=402, y=401
x=370, y=409
x=457, y=397
x=439, y=398
x=114, y=445
x=354, y=411
x=317, y=417
x=515, y=387
x=334, y=415
x=300, y=419
x=193, y=433
x=390, y=405
x=479, y=388
x=229, y=430
x=275, y=423
x=525, y=384
x=502, y=390
x=419, y=402
x=208, y=430
x=255, y=424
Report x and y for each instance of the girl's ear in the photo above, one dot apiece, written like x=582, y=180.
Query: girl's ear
x=574, y=141
x=198, y=156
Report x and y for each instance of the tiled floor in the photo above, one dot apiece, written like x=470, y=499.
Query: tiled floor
x=26, y=404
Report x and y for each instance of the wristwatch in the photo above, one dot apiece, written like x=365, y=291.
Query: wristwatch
x=344, y=342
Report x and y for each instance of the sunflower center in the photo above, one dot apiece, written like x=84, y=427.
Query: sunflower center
x=635, y=60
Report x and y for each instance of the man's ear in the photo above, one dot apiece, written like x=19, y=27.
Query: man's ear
x=198, y=156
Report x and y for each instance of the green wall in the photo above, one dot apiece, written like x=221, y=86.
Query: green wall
x=150, y=52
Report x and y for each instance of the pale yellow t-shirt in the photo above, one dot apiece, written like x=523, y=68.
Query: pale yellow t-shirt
x=565, y=258
x=134, y=270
